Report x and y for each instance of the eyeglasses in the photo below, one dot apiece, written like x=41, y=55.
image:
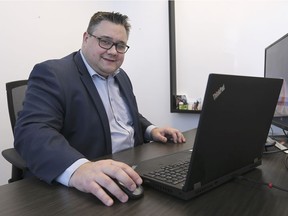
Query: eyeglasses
x=107, y=44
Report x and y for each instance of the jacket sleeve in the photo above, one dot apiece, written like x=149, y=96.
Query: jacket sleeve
x=37, y=130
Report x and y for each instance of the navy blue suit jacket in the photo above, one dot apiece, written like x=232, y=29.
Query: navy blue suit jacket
x=63, y=118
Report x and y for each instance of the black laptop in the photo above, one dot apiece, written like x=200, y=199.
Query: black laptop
x=234, y=123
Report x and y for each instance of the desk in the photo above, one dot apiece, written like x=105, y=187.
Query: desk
x=31, y=197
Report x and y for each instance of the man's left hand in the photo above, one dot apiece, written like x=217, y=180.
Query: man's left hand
x=167, y=134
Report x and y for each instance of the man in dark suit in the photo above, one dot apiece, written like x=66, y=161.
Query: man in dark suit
x=82, y=107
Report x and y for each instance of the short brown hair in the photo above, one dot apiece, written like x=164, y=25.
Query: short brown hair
x=113, y=17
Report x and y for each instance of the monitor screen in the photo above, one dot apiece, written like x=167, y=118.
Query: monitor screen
x=276, y=66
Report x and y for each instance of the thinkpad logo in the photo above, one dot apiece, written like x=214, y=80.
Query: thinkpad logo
x=218, y=92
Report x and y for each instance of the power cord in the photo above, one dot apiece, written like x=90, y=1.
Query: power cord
x=270, y=185
x=271, y=142
x=276, y=151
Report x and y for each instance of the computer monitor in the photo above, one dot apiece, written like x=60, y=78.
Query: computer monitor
x=276, y=66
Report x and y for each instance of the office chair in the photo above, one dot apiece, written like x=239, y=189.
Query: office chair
x=15, y=95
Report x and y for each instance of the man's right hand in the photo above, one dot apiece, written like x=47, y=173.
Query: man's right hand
x=93, y=177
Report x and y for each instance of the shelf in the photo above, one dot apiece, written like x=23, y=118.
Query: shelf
x=185, y=111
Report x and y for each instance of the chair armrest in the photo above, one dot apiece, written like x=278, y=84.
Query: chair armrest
x=12, y=156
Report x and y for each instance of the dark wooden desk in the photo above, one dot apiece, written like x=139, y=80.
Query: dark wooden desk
x=32, y=197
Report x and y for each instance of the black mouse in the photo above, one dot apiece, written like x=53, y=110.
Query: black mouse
x=136, y=194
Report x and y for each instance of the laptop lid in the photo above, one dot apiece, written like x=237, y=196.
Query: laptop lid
x=233, y=127
x=234, y=123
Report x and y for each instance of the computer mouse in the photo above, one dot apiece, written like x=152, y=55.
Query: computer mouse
x=136, y=194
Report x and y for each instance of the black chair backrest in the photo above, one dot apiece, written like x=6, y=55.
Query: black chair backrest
x=16, y=91
x=15, y=95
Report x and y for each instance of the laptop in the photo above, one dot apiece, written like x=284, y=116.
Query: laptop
x=233, y=126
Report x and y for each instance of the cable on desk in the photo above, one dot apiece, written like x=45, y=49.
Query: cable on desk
x=276, y=151
x=270, y=185
x=269, y=145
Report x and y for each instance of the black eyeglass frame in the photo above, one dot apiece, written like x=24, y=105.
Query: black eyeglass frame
x=112, y=44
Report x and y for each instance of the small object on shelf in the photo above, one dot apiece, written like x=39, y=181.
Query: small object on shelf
x=181, y=102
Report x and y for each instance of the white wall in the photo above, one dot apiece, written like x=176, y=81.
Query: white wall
x=33, y=31
x=224, y=37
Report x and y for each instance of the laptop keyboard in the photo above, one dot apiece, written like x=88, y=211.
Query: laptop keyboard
x=171, y=174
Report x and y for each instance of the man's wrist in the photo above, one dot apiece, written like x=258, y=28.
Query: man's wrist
x=148, y=131
x=64, y=178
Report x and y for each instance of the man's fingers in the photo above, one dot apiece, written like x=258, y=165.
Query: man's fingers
x=101, y=194
x=98, y=178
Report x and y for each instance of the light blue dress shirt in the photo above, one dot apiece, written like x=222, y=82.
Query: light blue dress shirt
x=119, y=117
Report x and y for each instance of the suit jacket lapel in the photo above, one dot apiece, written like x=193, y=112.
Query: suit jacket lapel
x=89, y=85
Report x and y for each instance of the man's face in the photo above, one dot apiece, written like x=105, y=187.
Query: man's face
x=104, y=62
